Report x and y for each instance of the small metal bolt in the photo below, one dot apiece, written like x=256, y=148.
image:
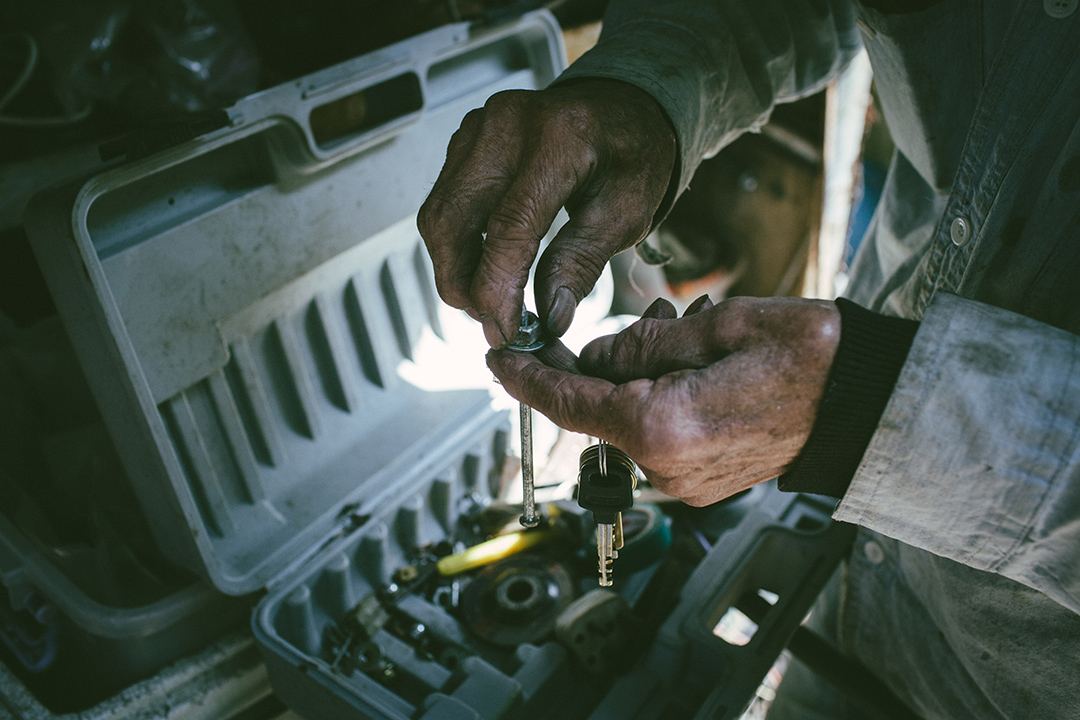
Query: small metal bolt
x=530, y=336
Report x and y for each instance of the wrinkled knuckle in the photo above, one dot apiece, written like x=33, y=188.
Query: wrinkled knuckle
x=507, y=100
x=430, y=219
x=440, y=214
x=625, y=353
x=586, y=259
x=465, y=135
x=577, y=264
x=739, y=307
x=514, y=221
x=575, y=122
x=641, y=341
x=738, y=314
x=473, y=121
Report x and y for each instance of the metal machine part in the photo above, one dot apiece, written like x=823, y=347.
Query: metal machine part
x=598, y=628
x=529, y=339
x=350, y=642
x=606, y=481
x=517, y=600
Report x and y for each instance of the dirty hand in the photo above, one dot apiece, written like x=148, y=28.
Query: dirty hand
x=601, y=148
x=708, y=404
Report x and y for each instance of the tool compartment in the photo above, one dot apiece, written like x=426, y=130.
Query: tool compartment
x=251, y=309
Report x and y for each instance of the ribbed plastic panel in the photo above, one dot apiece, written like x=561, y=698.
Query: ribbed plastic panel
x=243, y=303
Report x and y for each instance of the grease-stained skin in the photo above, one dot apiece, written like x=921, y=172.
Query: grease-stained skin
x=602, y=148
x=707, y=404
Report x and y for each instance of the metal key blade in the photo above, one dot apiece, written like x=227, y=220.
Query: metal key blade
x=604, y=540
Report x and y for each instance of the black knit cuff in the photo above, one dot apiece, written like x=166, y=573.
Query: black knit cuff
x=868, y=360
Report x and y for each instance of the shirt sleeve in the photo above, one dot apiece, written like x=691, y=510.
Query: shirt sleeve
x=718, y=67
x=868, y=360
x=977, y=455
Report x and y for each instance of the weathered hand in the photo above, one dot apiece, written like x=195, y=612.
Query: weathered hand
x=601, y=148
x=708, y=404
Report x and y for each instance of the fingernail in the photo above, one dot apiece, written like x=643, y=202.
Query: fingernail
x=700, y=305
x=660, y=309
x=471, y=312
x=492, y=333
x=562, y=311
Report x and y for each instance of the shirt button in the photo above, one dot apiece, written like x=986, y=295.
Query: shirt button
x=1059, y=8
x=960, y=231
x=874, y=553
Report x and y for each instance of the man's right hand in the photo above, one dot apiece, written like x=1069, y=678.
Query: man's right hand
x=602, y=148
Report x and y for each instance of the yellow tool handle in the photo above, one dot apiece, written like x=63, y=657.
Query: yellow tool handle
x=492, y=550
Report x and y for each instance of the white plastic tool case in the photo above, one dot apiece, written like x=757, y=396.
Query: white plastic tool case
x=241, y=305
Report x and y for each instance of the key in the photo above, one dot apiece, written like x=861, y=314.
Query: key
x=606, y=481
x=529, y=339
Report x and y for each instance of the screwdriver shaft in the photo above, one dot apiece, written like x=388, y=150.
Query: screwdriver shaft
x=529, y=518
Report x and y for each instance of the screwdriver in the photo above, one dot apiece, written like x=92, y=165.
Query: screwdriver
x=529, y=339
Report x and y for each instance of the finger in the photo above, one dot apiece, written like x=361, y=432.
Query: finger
x=598, y=353
x=479, y=164
x=650, y=348
x=634, y=146
x=574, y=402
x=556, y=355
x=701, y=304
x=569, y=268
x=548, y=175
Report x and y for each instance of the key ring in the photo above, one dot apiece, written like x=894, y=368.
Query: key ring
x=602, y=451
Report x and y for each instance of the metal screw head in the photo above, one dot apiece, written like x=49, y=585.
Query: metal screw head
x=530, y=521
x=530, y=337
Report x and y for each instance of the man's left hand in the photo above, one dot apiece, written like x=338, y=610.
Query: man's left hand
x=708, y=404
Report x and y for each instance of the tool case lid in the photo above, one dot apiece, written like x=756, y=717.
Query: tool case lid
x=241, y=303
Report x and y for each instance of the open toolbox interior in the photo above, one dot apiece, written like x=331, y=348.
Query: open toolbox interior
x=249, y=309
x=705, y=601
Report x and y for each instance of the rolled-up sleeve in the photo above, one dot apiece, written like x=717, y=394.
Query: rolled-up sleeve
x=718, y=68
x=977, y=455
